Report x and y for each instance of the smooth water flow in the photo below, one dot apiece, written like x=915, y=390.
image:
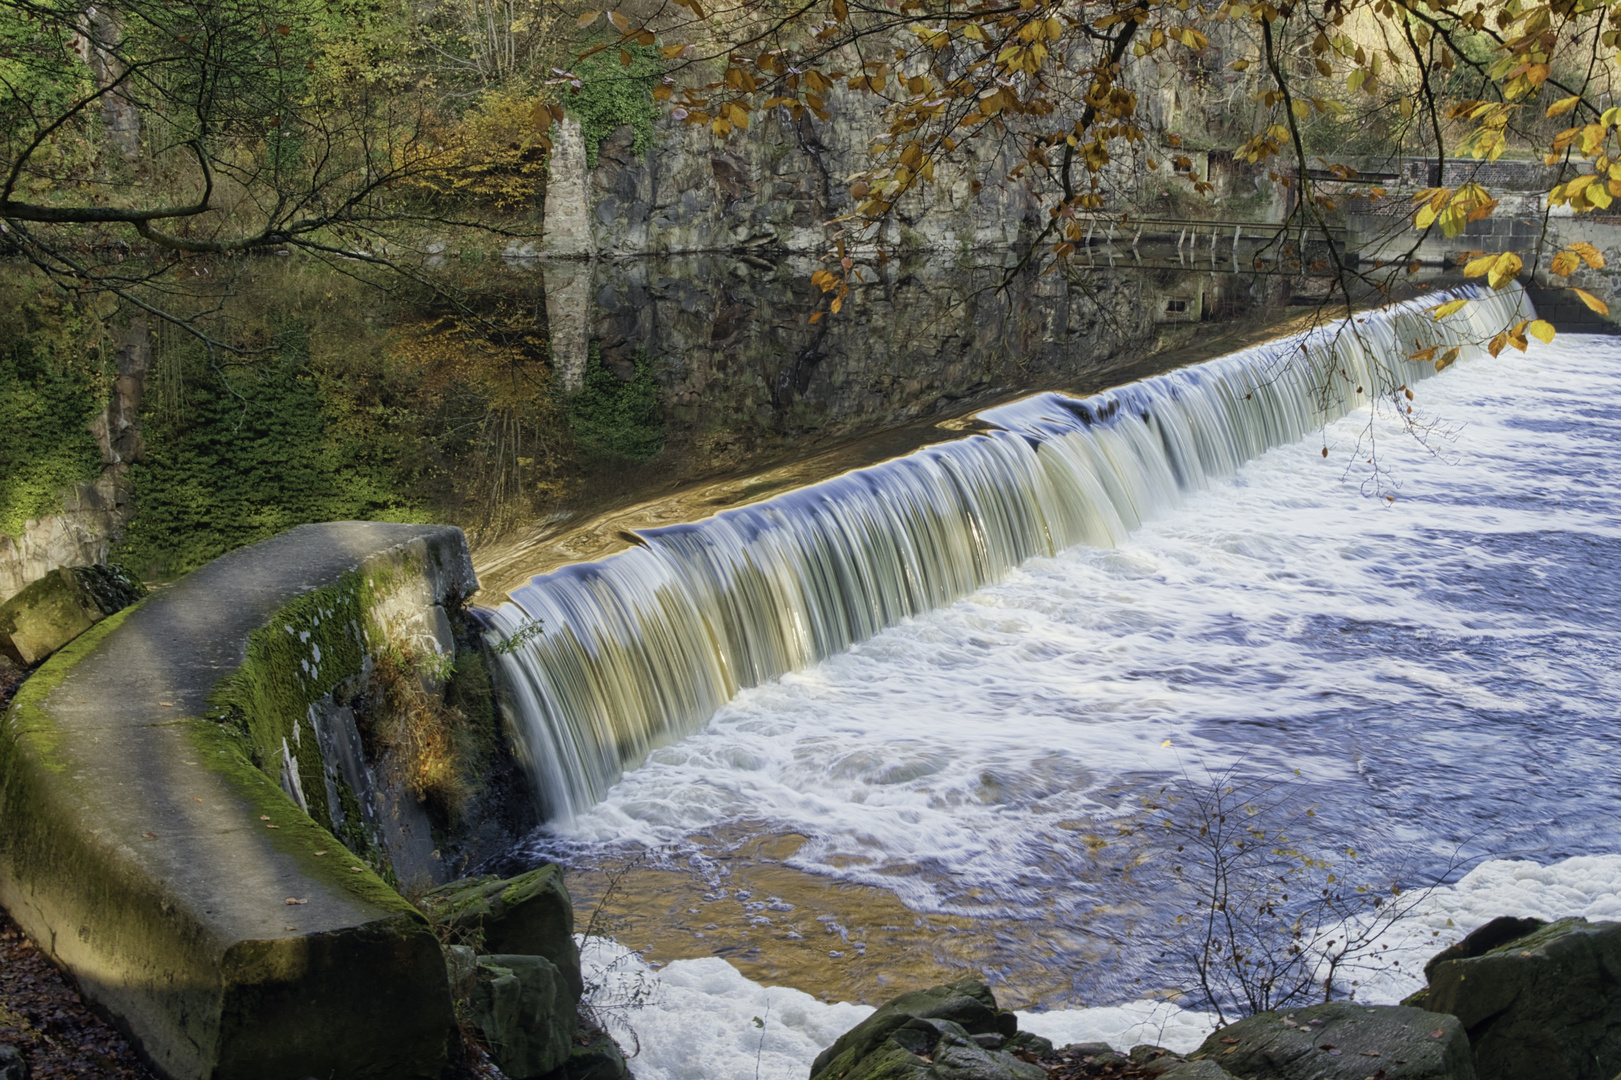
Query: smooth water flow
x=640, y=649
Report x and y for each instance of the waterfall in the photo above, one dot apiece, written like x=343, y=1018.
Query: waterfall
x=639, y=649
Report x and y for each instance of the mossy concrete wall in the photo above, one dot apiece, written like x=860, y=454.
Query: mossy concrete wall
x=145, y=845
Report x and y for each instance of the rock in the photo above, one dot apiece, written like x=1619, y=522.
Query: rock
x=13, y=1066
x=1195, y=1070
x=1544, y=1001
x=968, y=1003
x=598, y=1059
x=1343, y=1041
x=60, y=606
x=953, y=1032
x=530, y=914
x=523, y=1008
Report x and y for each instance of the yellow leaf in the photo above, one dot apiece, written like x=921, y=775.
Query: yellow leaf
x=1504, y=270
x=1542, y=330
x=1239, y=65
x=1565, y=263
x=1477, y=267
x=1593, y=303
x=1451, y=307
x=1564, y=105
x=1590, y=254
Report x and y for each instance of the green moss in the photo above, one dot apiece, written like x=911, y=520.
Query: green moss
x=611, y=418
x=613, y=95
x=224, y=752
x=27, y=716
x=306, y=649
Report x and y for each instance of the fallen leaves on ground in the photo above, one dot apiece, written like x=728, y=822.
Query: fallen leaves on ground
x=42, y=1015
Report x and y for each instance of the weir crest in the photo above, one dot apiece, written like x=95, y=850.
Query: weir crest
x=639, y=649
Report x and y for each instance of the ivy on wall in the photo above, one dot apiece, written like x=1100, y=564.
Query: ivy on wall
x=613, y=94
x=51, y=388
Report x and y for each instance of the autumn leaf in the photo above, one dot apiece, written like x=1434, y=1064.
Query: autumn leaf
x=1590, y=254
x=1564, y=105
x=1565, y=263
x=1451, y=307
x=1504, y=270
x=587, y=19
x=1593, y=303
x=1477, y=267
x=1542, y=330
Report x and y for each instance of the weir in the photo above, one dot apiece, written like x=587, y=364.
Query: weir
x=639, y=649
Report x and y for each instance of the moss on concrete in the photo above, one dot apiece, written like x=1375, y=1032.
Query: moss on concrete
x=27, y=719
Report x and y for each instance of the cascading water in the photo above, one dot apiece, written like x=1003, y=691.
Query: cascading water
x=641, y=648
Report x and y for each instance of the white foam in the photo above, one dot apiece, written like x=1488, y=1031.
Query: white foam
x=695, y=1019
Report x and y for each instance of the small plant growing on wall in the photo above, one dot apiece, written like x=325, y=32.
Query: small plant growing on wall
x=414, y=733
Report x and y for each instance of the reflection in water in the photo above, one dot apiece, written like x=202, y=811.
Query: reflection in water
x=751, y=393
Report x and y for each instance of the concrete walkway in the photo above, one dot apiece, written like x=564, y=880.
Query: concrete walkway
x=140, y=849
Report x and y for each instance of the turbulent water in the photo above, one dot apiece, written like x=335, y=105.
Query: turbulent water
x=1440, y=669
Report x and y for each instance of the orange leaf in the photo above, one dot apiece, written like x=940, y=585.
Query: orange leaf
x=1593, y=303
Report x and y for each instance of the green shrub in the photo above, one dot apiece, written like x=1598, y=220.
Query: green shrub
x=251, y=451
x=50, y=391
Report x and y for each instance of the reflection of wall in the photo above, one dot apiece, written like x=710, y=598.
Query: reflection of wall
x=744, y=373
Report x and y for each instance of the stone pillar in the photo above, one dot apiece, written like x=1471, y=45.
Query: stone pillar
x=568, y=225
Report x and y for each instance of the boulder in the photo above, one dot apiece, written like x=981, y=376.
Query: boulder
x=968, y=1003
x=13, y=1066
x=598, y=1058
x=953, y=1032
x=523, y=1008
x=1343, y=1041
x=60, y=606
x=1537, y=1000
x=530, y=914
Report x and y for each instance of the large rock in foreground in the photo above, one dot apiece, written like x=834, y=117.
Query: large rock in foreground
x=1343, y=1041
x=60, y=606
x=529, y=914
x=1537, y=1000
x=953, y=1032
x=523, y=1006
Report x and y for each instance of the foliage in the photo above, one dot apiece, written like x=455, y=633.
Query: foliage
x=415, y=733
x=616, y=89
x=52, y=383
x=498, y=150
x=252, y=452
x=616, y=419
x=1276, y=923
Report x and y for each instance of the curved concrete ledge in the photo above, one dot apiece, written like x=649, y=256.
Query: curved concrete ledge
x=143, y=849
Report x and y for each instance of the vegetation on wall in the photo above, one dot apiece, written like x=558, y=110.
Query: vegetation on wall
x=53, y=381
x=613, y=94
